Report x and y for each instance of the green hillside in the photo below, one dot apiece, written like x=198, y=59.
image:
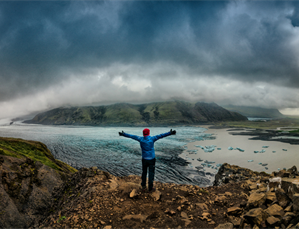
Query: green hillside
x=36, y=151
x=152, y=114
x=255, y=112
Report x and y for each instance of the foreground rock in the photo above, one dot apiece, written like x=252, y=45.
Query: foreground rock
x=93, y=198
x=25, y=190
x=272, y=200
x=26, y=185
x=244, y=199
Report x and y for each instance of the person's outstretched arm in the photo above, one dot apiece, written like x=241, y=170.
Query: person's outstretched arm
x=159, y=136
x=135, y=137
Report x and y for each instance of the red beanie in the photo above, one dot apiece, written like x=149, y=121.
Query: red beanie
x=146, y=132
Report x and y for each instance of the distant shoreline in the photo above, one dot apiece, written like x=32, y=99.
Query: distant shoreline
x=270, y=135
x=280, y=153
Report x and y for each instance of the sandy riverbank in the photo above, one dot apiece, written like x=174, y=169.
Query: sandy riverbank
x=224, y=139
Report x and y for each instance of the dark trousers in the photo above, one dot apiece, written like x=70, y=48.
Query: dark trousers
x=150, y=164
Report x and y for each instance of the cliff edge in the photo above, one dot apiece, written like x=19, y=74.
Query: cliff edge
x=28, y=176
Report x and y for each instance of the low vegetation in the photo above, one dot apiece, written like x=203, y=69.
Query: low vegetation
x=284, y=124
x=125, y=114
x=36, y=151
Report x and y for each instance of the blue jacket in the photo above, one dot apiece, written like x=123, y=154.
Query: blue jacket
x=147, y=144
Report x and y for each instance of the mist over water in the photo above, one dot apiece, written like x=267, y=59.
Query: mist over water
x=120, y=156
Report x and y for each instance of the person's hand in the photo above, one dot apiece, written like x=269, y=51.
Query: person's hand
x=172, y=132
x=121, y=133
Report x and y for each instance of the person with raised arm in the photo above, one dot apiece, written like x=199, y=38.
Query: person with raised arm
x=148, y=154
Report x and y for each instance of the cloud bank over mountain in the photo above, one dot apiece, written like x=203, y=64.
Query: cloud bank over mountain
x=58, y=53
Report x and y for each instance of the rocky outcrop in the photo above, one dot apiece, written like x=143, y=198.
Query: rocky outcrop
x=272, y=201
x=27, y=184
x=26, y=188
x=93, y=198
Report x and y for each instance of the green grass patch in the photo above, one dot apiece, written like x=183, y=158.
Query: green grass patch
x=34, y=150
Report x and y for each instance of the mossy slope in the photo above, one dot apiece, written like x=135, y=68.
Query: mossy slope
x=34, y=150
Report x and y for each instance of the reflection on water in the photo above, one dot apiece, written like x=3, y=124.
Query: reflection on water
x=104, y=148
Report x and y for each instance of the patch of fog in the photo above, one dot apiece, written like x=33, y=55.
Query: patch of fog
x=5, y=122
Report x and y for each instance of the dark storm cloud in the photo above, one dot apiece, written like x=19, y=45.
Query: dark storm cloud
x=45, y=44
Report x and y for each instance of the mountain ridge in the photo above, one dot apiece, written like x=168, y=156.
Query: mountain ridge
x=255, y=112
x=151, y=114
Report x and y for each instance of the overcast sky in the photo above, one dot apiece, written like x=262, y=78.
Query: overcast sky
x=56, y=53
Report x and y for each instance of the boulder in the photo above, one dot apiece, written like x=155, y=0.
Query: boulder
x=275, y=210
x=107, y=227
x=270, y=197
x=136, y=217
x=282, y=198
x=272, y=221
x=246, y=226
x=156, y=195
x=185, y=218
x=256, y=216
x=288, y=217
x=283, y=173
x=225, y=226
x=292, y=170
x=290, y=186
x=296, y=202
x=236, y=221
x=133, y=193
x=234, y=211
x=289, y=208
x=256, y=200
x=169, y=212
x=220, y=198
x=202, y=206
x=228, y=194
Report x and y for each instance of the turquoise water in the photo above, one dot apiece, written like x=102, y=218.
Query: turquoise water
x=104, y=148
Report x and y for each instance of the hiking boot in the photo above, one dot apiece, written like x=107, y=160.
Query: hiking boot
x=143, y=188
x=152, y=190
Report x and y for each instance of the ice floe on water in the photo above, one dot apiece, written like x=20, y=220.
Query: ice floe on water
x=207, y=149
x=194, y=151
x=237, y=148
